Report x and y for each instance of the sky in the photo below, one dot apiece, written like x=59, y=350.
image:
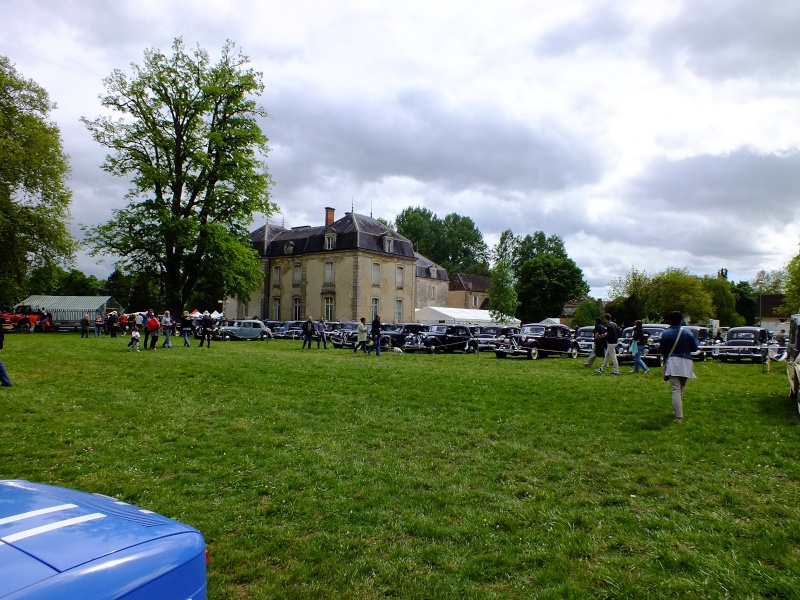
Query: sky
x=645, y=134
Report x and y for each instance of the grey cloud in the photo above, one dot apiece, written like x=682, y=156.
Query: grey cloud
x=416, y=135
x=737, y=38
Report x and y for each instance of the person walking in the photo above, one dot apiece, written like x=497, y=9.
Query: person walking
x=206, y=329
x=322, y=334
x=153, y=327
x=612, y=338
x=134, y=343
x=4, y=379
x=599, y=343
x=111, y=323
x=308, y=332
x=640, y=337
x=146, y=319
x=362, y=331
x=85, y=327
x=167, y=324
x=376, y=335
x=677, y=345
x=186, y=328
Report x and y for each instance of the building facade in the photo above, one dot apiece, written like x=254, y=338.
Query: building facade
x=469, y=291
x=348, y=268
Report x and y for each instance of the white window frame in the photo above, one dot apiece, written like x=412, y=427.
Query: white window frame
x=398, y=310
x=276, y=308
x=297, y=307
x=276, y=276
x=399, y=277
x=328, y=306
x=297, y=275
x=375, y=307
x=328, y=273
x=376, y=273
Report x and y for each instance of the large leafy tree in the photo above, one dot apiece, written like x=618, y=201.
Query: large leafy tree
x=677, y=289
x=546, y=283
x=454, y=242
x=34, y=198
x=724, y=300
x=189, y=141
x=587, y=312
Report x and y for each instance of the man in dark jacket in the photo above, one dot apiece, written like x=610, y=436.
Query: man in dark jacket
x=376, y=335
x=4, y=380
x=206, y=329
x=612, y=337
x=308, y=332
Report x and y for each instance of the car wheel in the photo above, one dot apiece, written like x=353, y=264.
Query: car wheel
x=533, y=353
x=500, y=354
x=573, y=352
x=431, y=349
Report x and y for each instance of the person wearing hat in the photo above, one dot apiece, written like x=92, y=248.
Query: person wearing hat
x=187, y=327
x=206, y=327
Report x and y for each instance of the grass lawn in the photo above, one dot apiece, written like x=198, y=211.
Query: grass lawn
x=318, y=474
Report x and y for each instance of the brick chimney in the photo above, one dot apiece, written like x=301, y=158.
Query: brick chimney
x=329, y=212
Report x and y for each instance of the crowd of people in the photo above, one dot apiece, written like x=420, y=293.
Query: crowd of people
x=148, y=327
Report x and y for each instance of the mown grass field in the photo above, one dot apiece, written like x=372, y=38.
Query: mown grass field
x=324, y=474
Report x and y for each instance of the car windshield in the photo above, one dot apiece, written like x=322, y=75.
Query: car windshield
x=491, y=331
x=533, y=330
x=585, y=333
x=741, y=335
x=438, y=329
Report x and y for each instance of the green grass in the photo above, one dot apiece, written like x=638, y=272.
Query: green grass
x=331, y=475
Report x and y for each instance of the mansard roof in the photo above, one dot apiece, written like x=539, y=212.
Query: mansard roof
x=428, y=269
x=353, y=232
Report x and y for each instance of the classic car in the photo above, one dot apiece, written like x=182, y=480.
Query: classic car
x=442, y=338
x=705, y=344
x=491, y=335
x=345, y=336
x=289, y=330
x=247, y=329
x=584, y=337
x=744, y=342
x=538, y=340
x=57, y=543
x=395, y=334
x=653, y=343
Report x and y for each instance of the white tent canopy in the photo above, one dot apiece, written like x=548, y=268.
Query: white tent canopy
x=445, y=314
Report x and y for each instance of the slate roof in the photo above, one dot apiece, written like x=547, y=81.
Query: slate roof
x=353, y=232
x=427, y=269
x=470, y=283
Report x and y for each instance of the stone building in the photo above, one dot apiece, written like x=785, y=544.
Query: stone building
x=343, y=270
x=469, y=291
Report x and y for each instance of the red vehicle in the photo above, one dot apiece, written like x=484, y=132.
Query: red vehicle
x=24, y=319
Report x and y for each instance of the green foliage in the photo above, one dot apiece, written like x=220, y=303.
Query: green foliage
x=546, y=283
x=745, y=301
x=34, y=198
x=507, y=479
x=532, y=246
x=502, y=294
x=772, y=282
x=791, y=301
x=587, y=312
x=454, y=242
x=724, y=300
x=192, y=146
x=677, y=289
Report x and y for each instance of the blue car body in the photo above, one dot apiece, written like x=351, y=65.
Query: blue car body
x=57, y=543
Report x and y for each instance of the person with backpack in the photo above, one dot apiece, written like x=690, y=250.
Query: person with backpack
x=612, y=338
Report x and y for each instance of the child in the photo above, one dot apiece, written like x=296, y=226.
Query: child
x=134, y=338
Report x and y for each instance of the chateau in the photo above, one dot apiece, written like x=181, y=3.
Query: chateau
x=343, y=270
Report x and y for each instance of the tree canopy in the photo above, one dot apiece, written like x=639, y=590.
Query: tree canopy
x=189, y=141
x=546, y=283
x=503, y=301
x=454, y=242
x=34, y=198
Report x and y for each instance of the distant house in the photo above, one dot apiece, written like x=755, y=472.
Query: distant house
x=767, y=309
x=432, y=285
x=568, y=311
x=469, y=291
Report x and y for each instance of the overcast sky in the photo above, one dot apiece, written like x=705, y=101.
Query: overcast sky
x=650, y=134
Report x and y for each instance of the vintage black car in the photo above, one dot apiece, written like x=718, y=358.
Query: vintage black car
x=394, y=335
x=584, y=337
x=345, y=336
x=538, y=340
x=655, y=330
x=289, y=330
x=744, y=343
x=705, y=344
x=492, y=335
x=442, y=338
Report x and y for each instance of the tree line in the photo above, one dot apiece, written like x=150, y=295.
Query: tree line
x=184, y=131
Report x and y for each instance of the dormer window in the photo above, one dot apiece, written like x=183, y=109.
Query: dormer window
x=388, y=244
x=330, y=241
x=288, y=248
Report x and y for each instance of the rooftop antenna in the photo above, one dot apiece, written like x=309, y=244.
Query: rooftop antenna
x=352, y=203
x=283, y=220
x=370, y=209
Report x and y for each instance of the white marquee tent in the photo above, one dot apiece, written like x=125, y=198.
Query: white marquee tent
x=445, y=314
